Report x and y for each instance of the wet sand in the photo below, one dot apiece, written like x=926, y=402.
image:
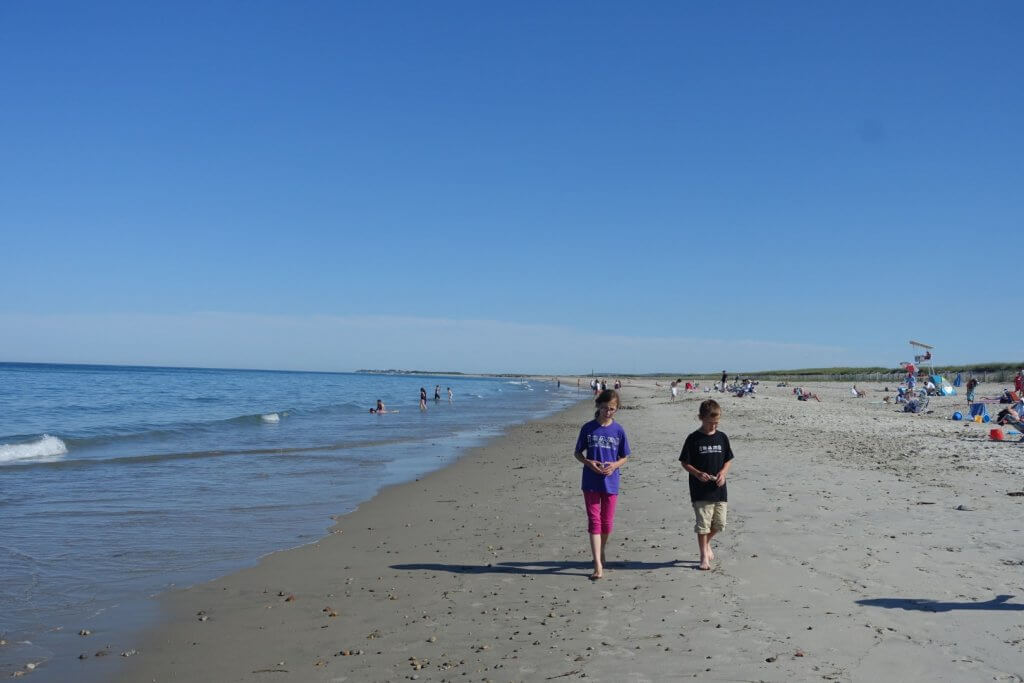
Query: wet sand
x=864, y=544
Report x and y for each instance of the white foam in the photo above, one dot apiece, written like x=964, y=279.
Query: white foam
x=273, y=418
x=44, y=449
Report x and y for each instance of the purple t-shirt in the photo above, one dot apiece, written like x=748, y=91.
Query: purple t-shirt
x=604, y=444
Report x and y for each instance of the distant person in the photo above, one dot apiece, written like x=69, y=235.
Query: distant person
x=972, y=385
x=707, y=456
x=804, y=395
x=380, y=407
x=674, y=390
x=1018, y=382
x=423, y=398
x=449, y=394
x=602, y=447
x=437, y=393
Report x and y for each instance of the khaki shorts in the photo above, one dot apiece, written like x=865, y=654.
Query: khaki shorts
x=710, y=516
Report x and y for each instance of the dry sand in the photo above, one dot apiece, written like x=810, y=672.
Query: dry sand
x=864, y=545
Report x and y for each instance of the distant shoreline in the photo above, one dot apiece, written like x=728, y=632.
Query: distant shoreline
x=1001, y=371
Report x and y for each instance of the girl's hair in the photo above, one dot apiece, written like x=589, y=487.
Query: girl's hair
x=606, y=396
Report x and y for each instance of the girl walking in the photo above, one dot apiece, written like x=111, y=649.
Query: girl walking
x=602, y=448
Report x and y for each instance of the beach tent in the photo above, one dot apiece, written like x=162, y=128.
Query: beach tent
x=943, y=385
x=979, y=409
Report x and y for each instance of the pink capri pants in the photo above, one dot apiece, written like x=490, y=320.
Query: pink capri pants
x=600, y=511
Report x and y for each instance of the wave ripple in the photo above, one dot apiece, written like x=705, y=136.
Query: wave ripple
x=44, y=449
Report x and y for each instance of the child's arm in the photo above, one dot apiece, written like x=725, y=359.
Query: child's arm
x=720, y=479
x=702, y=476
x=612, y=466
x=591, y=464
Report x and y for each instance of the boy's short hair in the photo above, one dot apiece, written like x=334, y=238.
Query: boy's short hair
x=709, y=408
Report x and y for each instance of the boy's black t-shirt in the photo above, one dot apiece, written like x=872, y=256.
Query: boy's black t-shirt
x=708, y=454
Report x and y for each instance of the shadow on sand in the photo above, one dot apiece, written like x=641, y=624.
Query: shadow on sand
x=560, y=567
x=923, y=605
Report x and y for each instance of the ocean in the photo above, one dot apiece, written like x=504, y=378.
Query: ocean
x=117, y=483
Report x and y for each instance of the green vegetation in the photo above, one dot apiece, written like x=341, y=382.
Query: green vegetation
x=995, y=368
x=991, y=371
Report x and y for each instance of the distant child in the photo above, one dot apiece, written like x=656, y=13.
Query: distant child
x=423, y=398
x=972, y=385
x=602, y=448
x=449, y=394
x=707, y=456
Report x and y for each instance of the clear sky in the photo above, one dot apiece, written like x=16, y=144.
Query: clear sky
x=511, y=186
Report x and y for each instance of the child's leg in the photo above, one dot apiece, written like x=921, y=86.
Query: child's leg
x=608, y=502
x=707, y=544
x=704, y=513
x=718, y=521
x=592, y=499
x=702, y=544
x=597, y=549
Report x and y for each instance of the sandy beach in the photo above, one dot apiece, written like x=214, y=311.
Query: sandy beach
x=864, y=544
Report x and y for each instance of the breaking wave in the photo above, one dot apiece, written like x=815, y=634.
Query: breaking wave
x=44, y=449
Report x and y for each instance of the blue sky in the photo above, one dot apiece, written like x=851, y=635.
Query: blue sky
x=527, y=186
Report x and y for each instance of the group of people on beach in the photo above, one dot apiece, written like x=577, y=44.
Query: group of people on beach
x=599, y=385
x=688, y=387
x=602, y=448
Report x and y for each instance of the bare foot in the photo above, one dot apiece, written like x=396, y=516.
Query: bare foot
x=705, y=565
x=596, y=575
x=711, y=554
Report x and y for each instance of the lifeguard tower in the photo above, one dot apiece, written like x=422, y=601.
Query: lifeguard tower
x=923, y=360
x=923, y=355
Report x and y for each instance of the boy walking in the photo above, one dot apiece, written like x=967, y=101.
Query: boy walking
x=707, y=456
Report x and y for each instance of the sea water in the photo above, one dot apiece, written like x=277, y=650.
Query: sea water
x=119, y=482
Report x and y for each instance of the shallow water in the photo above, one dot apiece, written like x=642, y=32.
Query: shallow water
x=117, y=483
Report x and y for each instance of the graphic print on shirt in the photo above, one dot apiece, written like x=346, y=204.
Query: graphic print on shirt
x=602, y=441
